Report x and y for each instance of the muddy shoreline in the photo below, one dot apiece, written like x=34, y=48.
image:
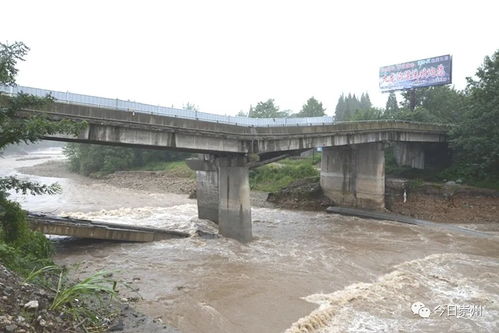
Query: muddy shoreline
x=445, y=203
x=451, y=203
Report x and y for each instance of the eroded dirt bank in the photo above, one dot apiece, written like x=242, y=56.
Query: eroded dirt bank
x=151, y=181
x=449, y=203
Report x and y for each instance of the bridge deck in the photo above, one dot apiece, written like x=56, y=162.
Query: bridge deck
x=65, y=226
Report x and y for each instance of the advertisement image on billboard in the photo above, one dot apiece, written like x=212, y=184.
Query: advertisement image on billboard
x=415, y=74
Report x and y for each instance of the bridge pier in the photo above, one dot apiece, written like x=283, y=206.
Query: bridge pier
x=234, y=207
x=354, y=175
x=207, y=195
x=206, y=186
x=223, y=194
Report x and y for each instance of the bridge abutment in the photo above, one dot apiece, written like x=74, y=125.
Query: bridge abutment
x=354, y=175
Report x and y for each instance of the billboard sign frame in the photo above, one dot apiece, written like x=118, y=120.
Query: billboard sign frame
x=435, y=71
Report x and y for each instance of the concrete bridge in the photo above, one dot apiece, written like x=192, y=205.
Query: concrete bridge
x=352, y=167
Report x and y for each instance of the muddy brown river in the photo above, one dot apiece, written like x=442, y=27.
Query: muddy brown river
x=304, y=272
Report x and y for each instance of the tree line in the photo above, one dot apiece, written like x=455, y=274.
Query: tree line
x=90, y=159
x=268, y=109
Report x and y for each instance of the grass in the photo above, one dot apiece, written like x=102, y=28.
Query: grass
x=176, y=168
x=275, y=176
x=87, y=302
x=93, y=285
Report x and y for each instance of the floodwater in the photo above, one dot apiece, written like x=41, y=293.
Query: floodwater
x=304, y=272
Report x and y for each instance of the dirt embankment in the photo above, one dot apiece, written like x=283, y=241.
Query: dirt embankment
x=303, y=194
x=450, y=203
x=151, y=181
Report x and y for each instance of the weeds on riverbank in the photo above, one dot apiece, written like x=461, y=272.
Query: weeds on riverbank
x=56, y=301
x=87, y=300
x=175, y=168
x=275, y=176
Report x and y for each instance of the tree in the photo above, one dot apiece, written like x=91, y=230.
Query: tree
x=339, y=112
x=350, y=108
x=88, y=159
x=266, y=110
x=365, y=101
x=475, y=138
x=14, y=130
x=313, y=108
x=392, y=106
x=191, y=107
x=366, y=114
x=440, y=104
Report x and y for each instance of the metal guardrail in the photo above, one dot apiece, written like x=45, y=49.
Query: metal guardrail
x=118, y=104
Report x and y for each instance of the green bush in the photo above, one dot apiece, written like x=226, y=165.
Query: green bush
x=21, y=249
x=89, y=159
x=275, y=176
x=14, y=225
x=22, y=261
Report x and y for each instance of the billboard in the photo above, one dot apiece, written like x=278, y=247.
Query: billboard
x=415, y=74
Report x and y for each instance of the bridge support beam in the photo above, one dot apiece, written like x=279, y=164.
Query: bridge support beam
x=354, y=175
x=206, y=186
x=223, y=194
x=207, y=195
x=234, y=207
x=411, y=154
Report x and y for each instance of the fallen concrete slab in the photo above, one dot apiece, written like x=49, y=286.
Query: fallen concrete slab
x=66, y=226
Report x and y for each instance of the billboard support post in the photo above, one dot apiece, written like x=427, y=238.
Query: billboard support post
x=412, y=98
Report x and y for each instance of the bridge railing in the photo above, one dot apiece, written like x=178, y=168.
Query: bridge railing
x=118, y=104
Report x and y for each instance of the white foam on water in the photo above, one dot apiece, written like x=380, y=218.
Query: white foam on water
x=384, y=305
x=180, y=217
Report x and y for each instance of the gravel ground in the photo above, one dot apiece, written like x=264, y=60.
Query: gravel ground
x=24, y=307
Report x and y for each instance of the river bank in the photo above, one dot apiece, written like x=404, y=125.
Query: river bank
x=25, y=307
x=447, y=203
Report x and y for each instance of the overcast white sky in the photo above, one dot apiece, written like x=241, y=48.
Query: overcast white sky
x=225, y=55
